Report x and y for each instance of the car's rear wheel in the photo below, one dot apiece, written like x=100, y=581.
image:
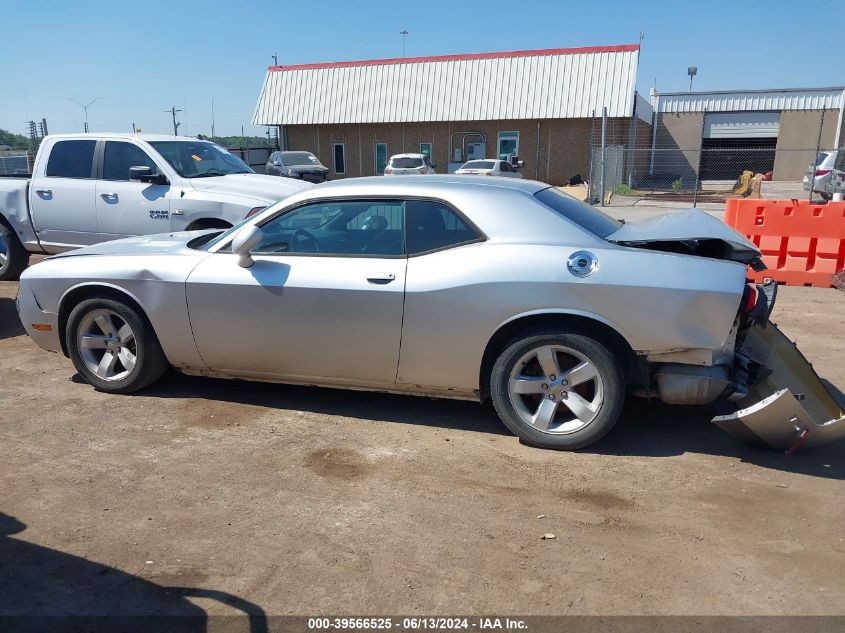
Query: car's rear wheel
x=113, y=346
x=560, y=390
x=14, y=258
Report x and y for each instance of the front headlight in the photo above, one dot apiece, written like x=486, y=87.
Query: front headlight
x=253, y=211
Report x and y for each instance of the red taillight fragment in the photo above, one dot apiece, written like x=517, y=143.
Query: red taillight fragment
x=822, y=172
x=749, y=297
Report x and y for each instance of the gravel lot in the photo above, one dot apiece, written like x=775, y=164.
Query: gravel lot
x=305, y=501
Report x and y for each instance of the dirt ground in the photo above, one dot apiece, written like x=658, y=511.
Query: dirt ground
x=231, y=496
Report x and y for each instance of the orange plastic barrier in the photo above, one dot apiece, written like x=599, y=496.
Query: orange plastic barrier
x=803, y=244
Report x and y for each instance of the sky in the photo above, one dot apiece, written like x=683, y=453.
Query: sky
x=138, y=59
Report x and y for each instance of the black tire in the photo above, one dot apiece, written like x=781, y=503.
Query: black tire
x=596, y=352
x=150, y=362
x=827, y=197
x=16, y=256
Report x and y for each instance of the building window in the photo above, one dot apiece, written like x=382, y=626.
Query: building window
x=508, y=144
x=381, y=157
x=339, y=152
x=425, y=148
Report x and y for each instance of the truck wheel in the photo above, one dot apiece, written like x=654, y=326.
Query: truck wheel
x=560, y=390
x=13, y=256
x=113, y=347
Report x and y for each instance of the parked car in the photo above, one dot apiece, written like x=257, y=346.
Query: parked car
x=89, y=188
x=488, y=167
x=818, y=174
x=302, y=165
x=837, y=176
x=436, y=286
x=408, y=164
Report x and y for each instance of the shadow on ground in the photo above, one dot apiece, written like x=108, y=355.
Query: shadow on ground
x=42, y=589
x=646, y=428
x=10, y=324
x=380, y=407
x=654, y=429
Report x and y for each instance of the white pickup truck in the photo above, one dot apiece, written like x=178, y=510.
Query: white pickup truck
x=89, y=188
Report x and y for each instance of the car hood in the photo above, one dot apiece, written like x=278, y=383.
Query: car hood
x=687, y=226
x=271, y=189
x=161, y=244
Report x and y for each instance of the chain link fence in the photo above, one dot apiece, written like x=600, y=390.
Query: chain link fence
x=632, y=163
x=15, y=163
x=703, y=176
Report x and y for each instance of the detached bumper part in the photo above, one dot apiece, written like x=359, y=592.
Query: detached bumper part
x=787, y=406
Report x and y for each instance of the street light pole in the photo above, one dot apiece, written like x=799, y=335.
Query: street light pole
x=84, y=107
x=692, y=71
x=403, y=33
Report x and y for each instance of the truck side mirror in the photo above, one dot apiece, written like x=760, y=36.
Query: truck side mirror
x=145, y=173
x=244, y=241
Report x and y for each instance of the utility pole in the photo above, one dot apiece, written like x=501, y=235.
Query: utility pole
x=85, y=107
x=403, y=33
x=176, y=125
x=212, y=120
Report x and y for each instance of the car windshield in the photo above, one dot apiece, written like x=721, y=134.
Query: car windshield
x=299, y=158
x=199, y=159
x=479, y=164
x=581, y=213
x=406, y=162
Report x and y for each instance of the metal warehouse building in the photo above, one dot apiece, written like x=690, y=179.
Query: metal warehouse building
x=539, y=104
x=762, y=130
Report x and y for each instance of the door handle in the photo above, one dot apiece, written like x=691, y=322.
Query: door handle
x=380, y=278
x=44, y=192
x=108, y=194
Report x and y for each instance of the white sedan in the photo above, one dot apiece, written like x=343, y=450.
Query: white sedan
x=488, y=167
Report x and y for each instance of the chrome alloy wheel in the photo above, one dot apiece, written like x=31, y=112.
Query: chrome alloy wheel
x=556, y=389
x=107, y=344
x=4, y=250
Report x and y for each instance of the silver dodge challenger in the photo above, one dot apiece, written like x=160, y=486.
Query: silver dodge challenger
x=457, y=287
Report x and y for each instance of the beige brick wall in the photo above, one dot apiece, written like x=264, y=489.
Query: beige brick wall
x=797, y=139
x=564, y=144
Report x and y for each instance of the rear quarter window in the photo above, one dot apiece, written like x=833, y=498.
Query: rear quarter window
x=71, y=159
x=588, y=218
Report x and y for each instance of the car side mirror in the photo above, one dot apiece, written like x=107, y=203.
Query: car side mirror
x=145, y=173
x=244, y=241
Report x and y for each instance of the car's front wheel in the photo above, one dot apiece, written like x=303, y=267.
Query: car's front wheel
x=560, y=390
x=113, y=346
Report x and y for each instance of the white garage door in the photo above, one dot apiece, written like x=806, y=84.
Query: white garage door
x=742, y=125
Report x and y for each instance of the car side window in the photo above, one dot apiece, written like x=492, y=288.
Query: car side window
x=503, y=166
x=353, y=227
x=432, y=225
x=71, y=159
x=120, y=156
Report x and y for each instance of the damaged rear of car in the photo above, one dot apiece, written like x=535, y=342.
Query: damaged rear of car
x=764, y=388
